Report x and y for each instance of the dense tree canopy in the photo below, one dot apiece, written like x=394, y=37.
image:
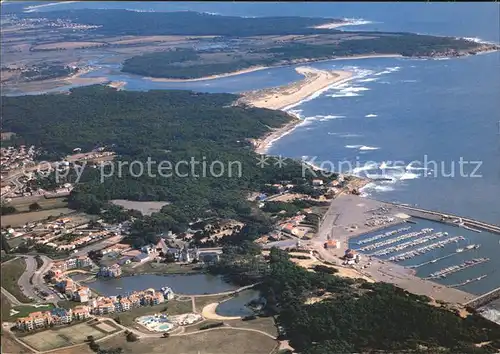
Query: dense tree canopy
x=160, y=127
x=364, y=317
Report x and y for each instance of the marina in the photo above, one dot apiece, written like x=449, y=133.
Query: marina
x=412, y=243
x=425, y=249
x=384, y=235
x=451, y=250
x=395, y=240
x=443, y=257
x=443, y=273
x=468, y=281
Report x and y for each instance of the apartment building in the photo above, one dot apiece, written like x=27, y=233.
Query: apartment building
x=82, y=294
x=57, y=316
x=112, y=271
x=81, y=312
x=149, y=297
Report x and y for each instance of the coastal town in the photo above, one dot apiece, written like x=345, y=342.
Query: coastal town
x=288, y=258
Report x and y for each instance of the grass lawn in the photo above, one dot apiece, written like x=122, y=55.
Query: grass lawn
x=64, y=336
x=11, y=272
x=5, y=306
x=173, y=307
x=23, y=311
x=202, y=301
x=6, y=257
x=68, y=304
x=264, y=324
x=221, y=341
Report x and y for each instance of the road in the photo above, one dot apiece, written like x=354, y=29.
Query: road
x=27, y=287
x=24, y=281
x=13, y=300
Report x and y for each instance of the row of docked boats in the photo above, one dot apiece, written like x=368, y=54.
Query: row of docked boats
x=384, y=235
x=468, y=281
x=395, y=240
x=425, y=249
x=443, y=273
x=468, y=247
x=407, y=244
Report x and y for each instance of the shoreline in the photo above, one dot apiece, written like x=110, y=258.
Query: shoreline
x=260, y=67
x=286, y=97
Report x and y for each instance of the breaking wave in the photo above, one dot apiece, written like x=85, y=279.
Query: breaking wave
x=371, y=115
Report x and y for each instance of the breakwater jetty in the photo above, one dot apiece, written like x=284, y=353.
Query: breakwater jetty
x=450, y=219
x=484, y=299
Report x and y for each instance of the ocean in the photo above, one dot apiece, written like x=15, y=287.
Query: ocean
x=438, y=121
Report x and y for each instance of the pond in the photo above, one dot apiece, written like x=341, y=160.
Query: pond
x=237, y=305
x=194, y=284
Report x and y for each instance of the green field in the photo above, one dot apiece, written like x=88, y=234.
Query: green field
x=65, y=336
x=11, y=272
x=20, y=219
x=23, y=311
x=220, y=341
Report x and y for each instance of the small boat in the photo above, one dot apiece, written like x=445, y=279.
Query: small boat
x=460, y=250
x=469, y=247
x=118, y=288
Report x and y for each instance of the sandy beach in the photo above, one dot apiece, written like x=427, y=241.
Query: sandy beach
x=286, y=96
x=283, y=97
x=119, y=85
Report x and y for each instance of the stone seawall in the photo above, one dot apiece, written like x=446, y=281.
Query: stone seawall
x=484, y=299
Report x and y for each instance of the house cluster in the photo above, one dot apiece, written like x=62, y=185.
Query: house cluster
x=12, y=158
x=57, y=316
x=63, y=234
x=67, y=235
x=148, y=297
x=59, y=267
x=27, y=23
x=183, y=255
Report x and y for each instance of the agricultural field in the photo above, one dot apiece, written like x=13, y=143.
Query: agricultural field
x=20, y=219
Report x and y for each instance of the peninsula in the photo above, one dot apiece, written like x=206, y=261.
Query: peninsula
x=188, y=46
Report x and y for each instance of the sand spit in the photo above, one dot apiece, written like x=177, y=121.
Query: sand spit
x=284, y=97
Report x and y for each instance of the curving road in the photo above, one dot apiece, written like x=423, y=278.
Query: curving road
x=36, y=276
